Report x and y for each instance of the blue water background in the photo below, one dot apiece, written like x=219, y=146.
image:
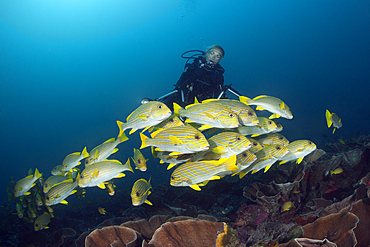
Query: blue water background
x=69, y=70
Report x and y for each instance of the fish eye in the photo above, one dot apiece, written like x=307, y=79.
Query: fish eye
x=47, y=198
x=171, y=120
x=36, y=224
x=160, y=107
x=278, y=148
x=270, y=122
x=280, y=138
x=46, y=185
x=244, y=155
x=250, y=113
x=231, y=115
x=309, y=143
x=238, y=138
x=137, y=194
x=197, y=137
x=255, y=144
x=172, y=177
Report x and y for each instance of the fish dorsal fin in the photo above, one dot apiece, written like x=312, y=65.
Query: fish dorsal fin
x=110, y=140
x=261, y=96
x=175, y=140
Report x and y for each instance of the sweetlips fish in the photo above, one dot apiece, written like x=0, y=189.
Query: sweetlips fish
x=264, y=126
x=193, y=174
x=72, y=160
x=23, y=186
x=297, y=150
x=245, y=113
x=278, y=125
x=177, y=140
x=272, y=138
x=243, y=160
x=173, y=121
x=98, y=173
x=19, y=209
x=54, y=180
x=333, y=119
x=255, y=147
x=265, y=158
x=102, y=210
x=140, y=191
x=60, y=192
x=39, y=200
x=271, y=104
x=209, y=115
x=145, y=116
x=42, y=222
x=139, y=160
x=104, y=150
x=57, y=170
x=224, y=145
x=109, y=186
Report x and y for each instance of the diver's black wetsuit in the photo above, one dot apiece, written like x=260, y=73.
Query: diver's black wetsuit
x=198, y=80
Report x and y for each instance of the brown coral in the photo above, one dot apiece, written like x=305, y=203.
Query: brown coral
x=113, y=236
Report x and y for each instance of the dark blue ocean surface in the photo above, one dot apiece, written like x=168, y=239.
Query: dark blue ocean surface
x=69, y=70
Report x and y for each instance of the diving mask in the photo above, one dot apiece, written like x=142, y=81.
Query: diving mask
x=214, y=55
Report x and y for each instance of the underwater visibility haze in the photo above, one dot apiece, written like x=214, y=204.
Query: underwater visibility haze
x=71, y=69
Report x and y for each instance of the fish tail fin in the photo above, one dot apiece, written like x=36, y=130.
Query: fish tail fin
x=127, y=164
x=176, y=109
x=37, y=174
x=144, y=140
x=328, y=115
x=120, y=126
x=84, y=153
x=121, y=134
x=230, y=163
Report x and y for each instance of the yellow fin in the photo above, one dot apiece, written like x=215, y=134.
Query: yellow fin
x=328, y=120
x=101, y=186
x=170, y=166
x=299, y=160
x=174, y=153
x=132, y=131
x=205, y=126
x=143, y=138
x=244, y=99
x=274, y=116
x=110, y=140
x=283, y=162
x=195, y=187
x=148, y=202
x=95, y=173
x=254, y=171
x=218, y=150
x=120, y=175
x=267, y=167
x=175, y=140
x=176, y=109
x=215, y=178
x=64, y=202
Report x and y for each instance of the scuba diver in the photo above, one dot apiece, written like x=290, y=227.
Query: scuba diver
x=202, y=78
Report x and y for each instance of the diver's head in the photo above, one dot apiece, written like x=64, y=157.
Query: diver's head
x=214, y=54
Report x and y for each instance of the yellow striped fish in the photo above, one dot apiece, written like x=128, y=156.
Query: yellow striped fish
x=60, y=192
x=38, y=200
x=42, y=222
x=177, y=140
x=57, y=170
x=19, y=210
x=173, y=121
x=224, y=145
x=54, y=180
x=109, y=186
x=98, y=173
x=193, y=174
x=22, y=186
x=264, y=126
x=272, y=138
x=256, y=146
x=265, y=158
x=245, y=113
x=145, y=116
x=139, y=160
x=173, y=160
x=104, y=150
x=209, y=115
x=243, y=160
x=297, y=150
x=72, y=160
x=140, y=191
x=333, y=119
x=271, y=104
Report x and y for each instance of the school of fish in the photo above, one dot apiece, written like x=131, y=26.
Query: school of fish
x=204, y=141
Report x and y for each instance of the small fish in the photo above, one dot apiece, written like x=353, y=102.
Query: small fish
x=173, y=121
x=193, y=174
x=32, y=212
x=342, y=141
x=42, y=222
x=271, y=104
x=139, y=160
x=177, y=140
x=55, y=180
x=297, y=150
x=104, y=150
x=140, y=191
x=287, y=206
x=333, y=119
x=25, y=184
x=272, y=138
x=57, y=170
x=255, y=147
x=278, y=125
x=102, y=211
x=245, y=113
x=98, y=173
x=224, y=145
x=173, y=160
x=60, y=192
x=109, y=186
x=72, y=160
x=145, y=116
x=39, y=200
x=19, y=210
x=264, y=126
x=339, y=170
x=209, y=115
